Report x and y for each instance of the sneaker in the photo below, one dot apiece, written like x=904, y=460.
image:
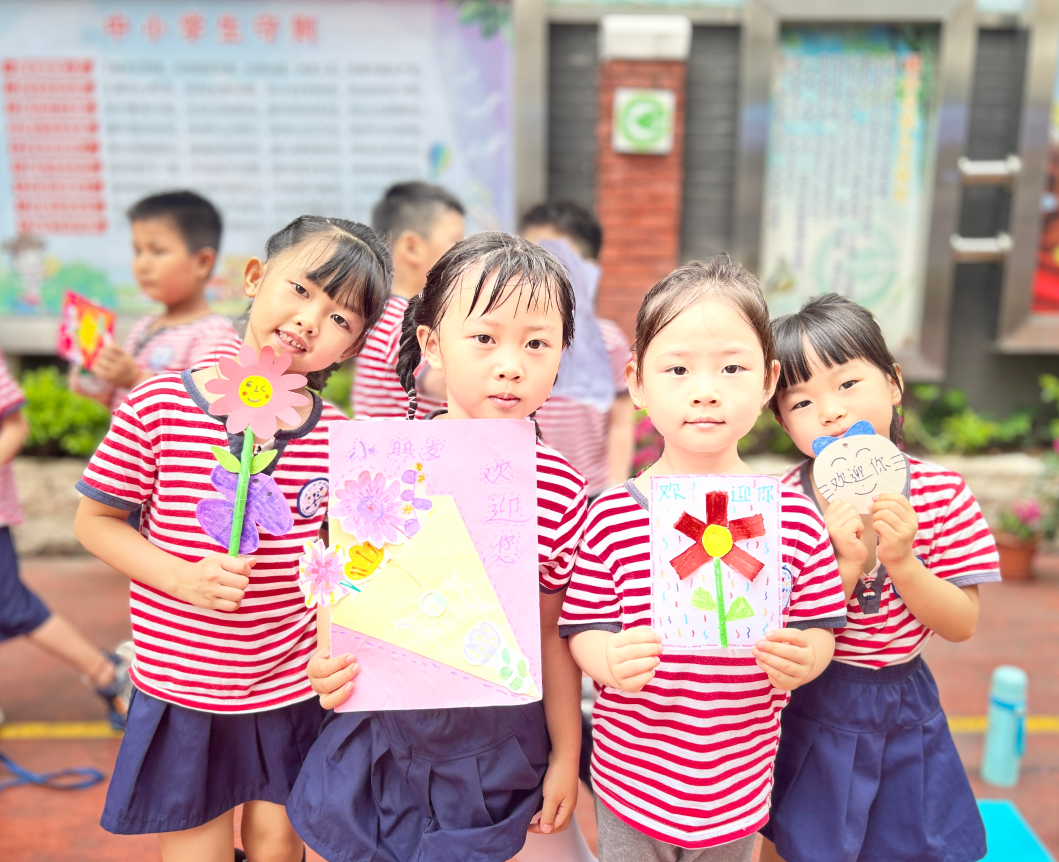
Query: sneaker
x=118, y=694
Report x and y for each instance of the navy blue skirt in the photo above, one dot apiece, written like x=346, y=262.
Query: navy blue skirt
x=20, y=610
x=437, y=785
x=178, y=768
x=867, y=771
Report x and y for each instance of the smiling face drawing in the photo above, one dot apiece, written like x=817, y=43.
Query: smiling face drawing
x=857, y=467
x=255, y=391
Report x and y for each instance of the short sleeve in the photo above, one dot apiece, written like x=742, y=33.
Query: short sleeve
x=121, y=473
x=963, y=551
x=618, y=353
x=11, y=397
x=817, y=597
x=591, y=602
x=562, y=506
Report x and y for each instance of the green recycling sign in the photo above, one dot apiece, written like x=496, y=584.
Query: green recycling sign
x=643, y=121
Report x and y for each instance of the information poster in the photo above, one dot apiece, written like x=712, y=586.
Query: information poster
x=848, y=178
x=1046, y=277
x=270, y=109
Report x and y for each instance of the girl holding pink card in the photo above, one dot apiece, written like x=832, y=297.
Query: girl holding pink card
x=229, y=457
x=466, y=783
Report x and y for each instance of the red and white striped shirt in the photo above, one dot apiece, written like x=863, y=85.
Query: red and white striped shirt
x=580, y=430
x=174, y=348
x=377, y=390
x=11, y=400
x=157, y=454
x=688, y=759
x=562, y=506
x=953, y=541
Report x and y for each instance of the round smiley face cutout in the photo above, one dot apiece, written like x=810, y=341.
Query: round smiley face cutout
x=857, y=466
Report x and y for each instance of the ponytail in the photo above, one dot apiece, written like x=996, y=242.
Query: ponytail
x=409, y=354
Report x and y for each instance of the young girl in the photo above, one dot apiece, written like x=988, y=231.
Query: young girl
x=223, y=714
x=867, y=769
x=685, y=739
x=456, y=784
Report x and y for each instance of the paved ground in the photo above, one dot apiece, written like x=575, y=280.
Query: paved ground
x=1019, y=625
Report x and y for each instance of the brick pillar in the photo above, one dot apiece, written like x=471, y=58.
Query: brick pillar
x=638, y=197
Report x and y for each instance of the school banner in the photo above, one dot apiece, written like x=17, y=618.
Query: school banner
x=270, y=109
x=848, y=171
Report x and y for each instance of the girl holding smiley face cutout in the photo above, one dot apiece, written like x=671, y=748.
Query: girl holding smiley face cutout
x=865, y=756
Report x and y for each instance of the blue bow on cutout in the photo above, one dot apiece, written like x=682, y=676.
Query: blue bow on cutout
x=856, y=429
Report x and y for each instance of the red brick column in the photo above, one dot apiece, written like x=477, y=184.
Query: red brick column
x=638, y=197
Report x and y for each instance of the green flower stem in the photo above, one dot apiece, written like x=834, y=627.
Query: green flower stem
x=240, y=495
x=722, y=620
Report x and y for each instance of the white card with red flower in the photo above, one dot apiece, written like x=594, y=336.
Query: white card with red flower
x=431, y=574
x=717, y=574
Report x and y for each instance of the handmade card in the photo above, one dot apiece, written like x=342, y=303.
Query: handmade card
x=857, y=466
x=716, y=579
x=84, y=328
x=431, y=573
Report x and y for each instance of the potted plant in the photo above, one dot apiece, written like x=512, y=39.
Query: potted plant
x=1020, y=530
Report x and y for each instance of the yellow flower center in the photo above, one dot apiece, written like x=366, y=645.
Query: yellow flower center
x=255, y=391
x=717, y=540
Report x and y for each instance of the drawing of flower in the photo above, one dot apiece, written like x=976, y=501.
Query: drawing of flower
x=256, y=393
x=320, y=572
x=370, y=509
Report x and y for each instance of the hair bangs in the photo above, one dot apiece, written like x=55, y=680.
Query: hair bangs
x=343, y=273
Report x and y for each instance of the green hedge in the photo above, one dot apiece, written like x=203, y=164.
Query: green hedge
x=60, y=421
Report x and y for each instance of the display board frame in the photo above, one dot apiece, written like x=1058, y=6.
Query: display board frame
x=957, y=19
x=1019, y=329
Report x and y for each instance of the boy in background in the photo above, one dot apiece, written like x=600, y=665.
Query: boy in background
x=175, y=239
x=21, y=612
x=589, y=416
x=419, y=222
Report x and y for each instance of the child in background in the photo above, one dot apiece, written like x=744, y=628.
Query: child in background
x=175, y=238
x=589, y=415
x=685, y=739
x=420, y=222
x=466, y=783
x=222, y=714
x=867, y=768
x=21, y=612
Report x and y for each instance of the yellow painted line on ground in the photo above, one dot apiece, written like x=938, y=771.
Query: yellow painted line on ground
x=44, y=730
x=38, y=730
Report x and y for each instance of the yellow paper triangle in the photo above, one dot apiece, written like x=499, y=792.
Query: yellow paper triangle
x=429, y=594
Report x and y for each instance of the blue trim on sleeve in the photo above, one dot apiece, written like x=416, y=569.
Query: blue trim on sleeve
x=822, y=623
x=105, y=498
x=970, y=580
x=567, y=631
x=18, y=405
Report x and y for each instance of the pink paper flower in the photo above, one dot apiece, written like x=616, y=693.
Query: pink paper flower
x=370, y=509
x=320, y=572
x=256, y=392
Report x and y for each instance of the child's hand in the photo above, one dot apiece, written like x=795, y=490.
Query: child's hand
x=632, y=657
x=787, y=656
x=332, y=678
x=116, y=366
x=896, y=523
x=217, y=582
x=846, y=527
x=560, y=796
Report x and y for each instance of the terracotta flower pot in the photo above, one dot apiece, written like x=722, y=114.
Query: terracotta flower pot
x=1016, y=556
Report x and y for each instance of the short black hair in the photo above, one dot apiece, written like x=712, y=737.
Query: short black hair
x=195, y=218
x=414, y=206
x=571, y=219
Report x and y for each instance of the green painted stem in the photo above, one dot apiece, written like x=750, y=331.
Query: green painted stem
x=722, y=620
x=240, y=494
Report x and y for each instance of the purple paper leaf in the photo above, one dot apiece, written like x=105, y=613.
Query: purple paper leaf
x=215, y=518
x=267, y=507
x=225, y=482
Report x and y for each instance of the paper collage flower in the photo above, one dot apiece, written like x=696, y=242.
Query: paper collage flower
x=371, y=509
x=320, y=574
x=266, y=508
x=716, y=540
x=413, y=506
x=256, y=393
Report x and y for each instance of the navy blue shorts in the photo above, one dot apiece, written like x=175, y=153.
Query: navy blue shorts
x=867, y=771
x=20, y=610
x=447, y=785
x=178, y=768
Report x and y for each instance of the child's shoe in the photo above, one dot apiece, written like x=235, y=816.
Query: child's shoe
x=119, y=692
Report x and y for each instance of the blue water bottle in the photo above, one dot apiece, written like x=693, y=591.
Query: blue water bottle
x=1005, y=737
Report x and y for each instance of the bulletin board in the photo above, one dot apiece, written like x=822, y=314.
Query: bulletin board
x=269, y=109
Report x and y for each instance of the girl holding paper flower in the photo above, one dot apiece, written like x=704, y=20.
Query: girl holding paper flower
x=466, y=783
x=685, y=739
x=867, y=758
x=229, y=463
